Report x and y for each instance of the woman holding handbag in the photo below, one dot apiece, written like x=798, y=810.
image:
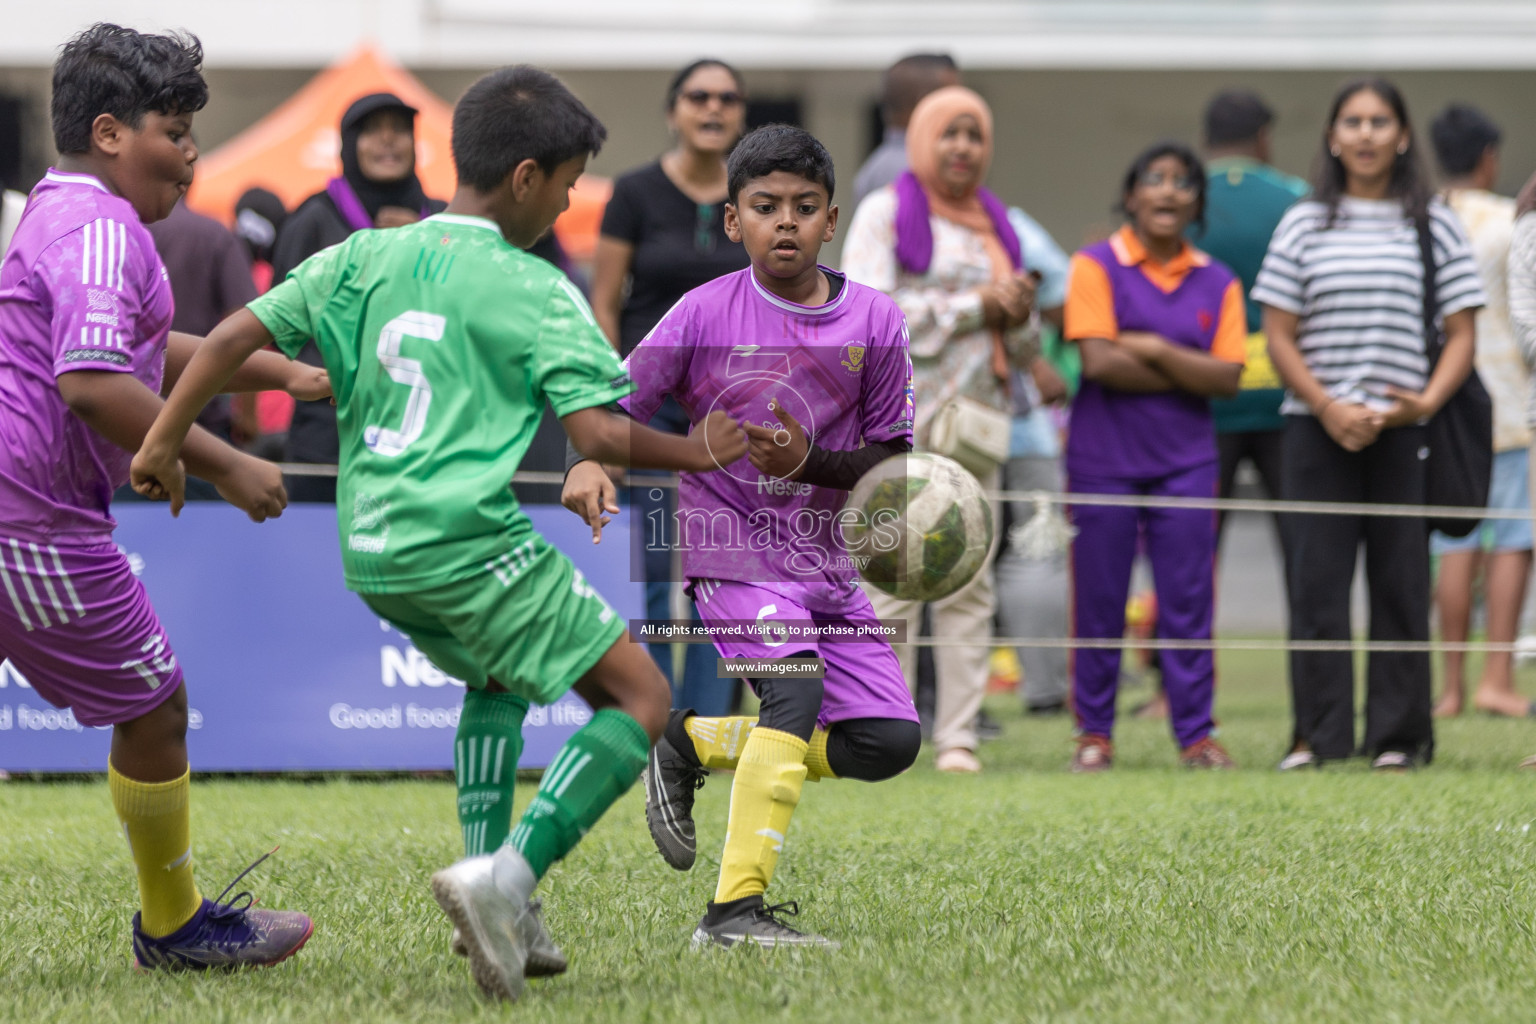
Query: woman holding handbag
x=1162, y=329
x=1343, y=286
x=941, y=245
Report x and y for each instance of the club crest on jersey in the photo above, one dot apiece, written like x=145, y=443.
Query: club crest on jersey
x=370, y=524
x=853, y=357
x=1205, y=319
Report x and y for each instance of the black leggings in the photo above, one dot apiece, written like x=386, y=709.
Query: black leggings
x=868, y=749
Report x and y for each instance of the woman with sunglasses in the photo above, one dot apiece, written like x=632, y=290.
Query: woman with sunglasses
x=1343, y=293
x=1162, y=330
x=663, y=234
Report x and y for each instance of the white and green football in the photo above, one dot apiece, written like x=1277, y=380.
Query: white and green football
x=918, y=526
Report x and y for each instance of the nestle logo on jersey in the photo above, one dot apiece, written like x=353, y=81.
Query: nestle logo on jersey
x=95, y=355
x=101, y=318
x=773, y=485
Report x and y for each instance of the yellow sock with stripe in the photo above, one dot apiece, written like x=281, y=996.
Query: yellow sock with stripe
x=718, y=742
x=816, y=765
x=157, y=820
x=769, y=776
x=485, y=754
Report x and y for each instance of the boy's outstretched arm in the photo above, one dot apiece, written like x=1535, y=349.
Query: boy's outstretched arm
x=157, y=471
x=610, y=437
x=263, y=371
x=598, y=436
x=121, y=409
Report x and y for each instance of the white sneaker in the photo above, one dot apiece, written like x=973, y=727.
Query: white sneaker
x=486, y=898
x=545, y=960
x=1302, y=758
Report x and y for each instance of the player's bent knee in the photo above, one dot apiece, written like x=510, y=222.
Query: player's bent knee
x=626, y=678
x=873, y=749
x=166, y=722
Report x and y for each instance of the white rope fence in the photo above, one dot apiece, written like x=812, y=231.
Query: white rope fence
x=1337, y=508
x=1049, y=499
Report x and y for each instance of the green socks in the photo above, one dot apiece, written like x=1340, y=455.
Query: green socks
x=485, y=755
x=594, y=768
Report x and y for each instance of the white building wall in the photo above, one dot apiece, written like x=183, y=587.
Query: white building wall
x=1077, y=87
x=820, y=33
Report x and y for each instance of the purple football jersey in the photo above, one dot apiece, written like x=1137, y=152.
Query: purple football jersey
x=81, y=288
x=840, y=369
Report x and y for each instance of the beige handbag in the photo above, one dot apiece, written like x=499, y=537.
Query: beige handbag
x=973, y=434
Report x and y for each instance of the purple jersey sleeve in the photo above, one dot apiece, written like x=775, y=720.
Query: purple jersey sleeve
x=887, y=398
x=96, y=278
x=659, y=363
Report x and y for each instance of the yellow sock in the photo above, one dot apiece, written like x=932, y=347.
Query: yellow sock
x=816, y=766
x=718, y=742
x=157, y=821
x=763, y=798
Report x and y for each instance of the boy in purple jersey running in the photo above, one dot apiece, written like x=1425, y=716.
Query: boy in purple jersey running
x=815, y=366
x=85, y=349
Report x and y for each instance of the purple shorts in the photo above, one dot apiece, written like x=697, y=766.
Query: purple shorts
x=863, y=680
x=78, y=625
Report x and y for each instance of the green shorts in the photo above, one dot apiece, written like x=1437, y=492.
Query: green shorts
x=530, y=621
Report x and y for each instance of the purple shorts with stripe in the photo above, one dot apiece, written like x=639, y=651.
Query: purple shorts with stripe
x=77, y=624
x=863, y=680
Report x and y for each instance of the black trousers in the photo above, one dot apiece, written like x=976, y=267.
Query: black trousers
x=1321, y=572
x=1266, y=450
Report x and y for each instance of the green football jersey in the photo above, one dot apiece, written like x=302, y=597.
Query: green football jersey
x=443, y=342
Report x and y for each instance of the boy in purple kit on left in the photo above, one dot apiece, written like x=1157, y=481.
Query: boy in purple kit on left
x=815, y=366
x=85, y=311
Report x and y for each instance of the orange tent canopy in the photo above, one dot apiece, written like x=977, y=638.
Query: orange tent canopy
x=295, y=150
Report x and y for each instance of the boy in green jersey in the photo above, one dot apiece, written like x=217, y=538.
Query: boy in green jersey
x=444, y=341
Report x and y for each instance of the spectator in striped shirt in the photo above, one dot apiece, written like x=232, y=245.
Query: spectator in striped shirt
x=1342, y=286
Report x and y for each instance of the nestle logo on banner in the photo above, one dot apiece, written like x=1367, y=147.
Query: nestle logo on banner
x=10, y=676
x=411, y=668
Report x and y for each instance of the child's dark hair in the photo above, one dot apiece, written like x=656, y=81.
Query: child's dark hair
x=108, y=69
x=519, y=113
x=1461, y=135
x=1156, y=152
x=779, y=147
x=675, y=86
x=1409, y=183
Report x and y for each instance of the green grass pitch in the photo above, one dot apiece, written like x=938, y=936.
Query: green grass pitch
x=1025, y=894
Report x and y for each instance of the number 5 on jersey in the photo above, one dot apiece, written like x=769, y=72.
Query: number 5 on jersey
x=415, y=324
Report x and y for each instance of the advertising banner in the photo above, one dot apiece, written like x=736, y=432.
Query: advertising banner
x=286, y=669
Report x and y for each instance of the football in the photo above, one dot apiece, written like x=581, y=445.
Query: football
x=918, y=526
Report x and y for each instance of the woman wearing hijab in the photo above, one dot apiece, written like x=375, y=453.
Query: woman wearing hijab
x=377, y=188
x=941, y=245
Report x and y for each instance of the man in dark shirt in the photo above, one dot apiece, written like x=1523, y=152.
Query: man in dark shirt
x=1244, y=200
x=210, y=274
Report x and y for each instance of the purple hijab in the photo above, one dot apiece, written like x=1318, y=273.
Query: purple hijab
x=914, y=233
